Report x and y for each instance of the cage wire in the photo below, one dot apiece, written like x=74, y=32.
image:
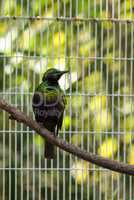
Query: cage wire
x=95, y=40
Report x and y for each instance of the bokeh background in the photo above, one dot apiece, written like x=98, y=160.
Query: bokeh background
x=94, y=39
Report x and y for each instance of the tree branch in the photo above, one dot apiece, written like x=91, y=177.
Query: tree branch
x=87, y=156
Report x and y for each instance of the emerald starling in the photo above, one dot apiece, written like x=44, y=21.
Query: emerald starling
x=48, y=106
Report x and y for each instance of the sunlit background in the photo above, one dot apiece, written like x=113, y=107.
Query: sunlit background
x=94, y=39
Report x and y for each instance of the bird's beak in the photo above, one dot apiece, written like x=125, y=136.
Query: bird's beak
x=64, y=72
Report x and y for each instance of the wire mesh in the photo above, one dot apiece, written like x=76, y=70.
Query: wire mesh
x=94, y=39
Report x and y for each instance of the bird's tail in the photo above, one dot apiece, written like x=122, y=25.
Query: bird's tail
x=48, y=150
x=48, y=147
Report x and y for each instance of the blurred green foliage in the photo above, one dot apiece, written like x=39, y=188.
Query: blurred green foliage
x=100, y=111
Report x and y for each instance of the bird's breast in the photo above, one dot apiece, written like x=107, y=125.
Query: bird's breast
x=47, y=105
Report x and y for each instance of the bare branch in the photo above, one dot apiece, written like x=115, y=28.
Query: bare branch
x=87, y=156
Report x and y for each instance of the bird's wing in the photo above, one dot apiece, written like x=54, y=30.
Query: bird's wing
x=52, y=101
x=60, y=120
x=59, y=124
x=47, y=96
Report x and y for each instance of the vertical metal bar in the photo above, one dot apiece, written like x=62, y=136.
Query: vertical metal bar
x=46, y=179
x=21, y=131
x=124, y=104
x=107, y=92
x=22, y=104
x=46, y=172
x=10, y=125
x=27, y=101
x=52, y=8
x=82, y=108
x=46, y=7
x=94, y=8
x=113, y=80
x=2, y=7
x=33, y=87
x=83, y=13
x=22, y=9
x=64, y=9
x=107, y=9
x=52, y=163
x=70, y=135
x=89, y=116
x=113, y=100
x=119, y=5
x=119, y=85
x=76, y=93
x=33, y=136
x=58, y=148
x=28, y=8
x=40, y=147
x=33, y=7
x=95, y=69
x=70, y=9
x=101, y=66
x=70, y=108
x=16, y=90
x=58, y=2
x=64, y=128
x=82, y=116
x=131, y=91
x=40, y=12
x=4, y=128
x=58, y=160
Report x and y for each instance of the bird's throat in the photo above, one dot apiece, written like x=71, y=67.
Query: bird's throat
x=51, y=83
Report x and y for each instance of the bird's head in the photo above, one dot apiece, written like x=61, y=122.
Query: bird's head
x=53, y=75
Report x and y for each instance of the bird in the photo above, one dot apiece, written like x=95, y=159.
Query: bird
x=48, y=104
